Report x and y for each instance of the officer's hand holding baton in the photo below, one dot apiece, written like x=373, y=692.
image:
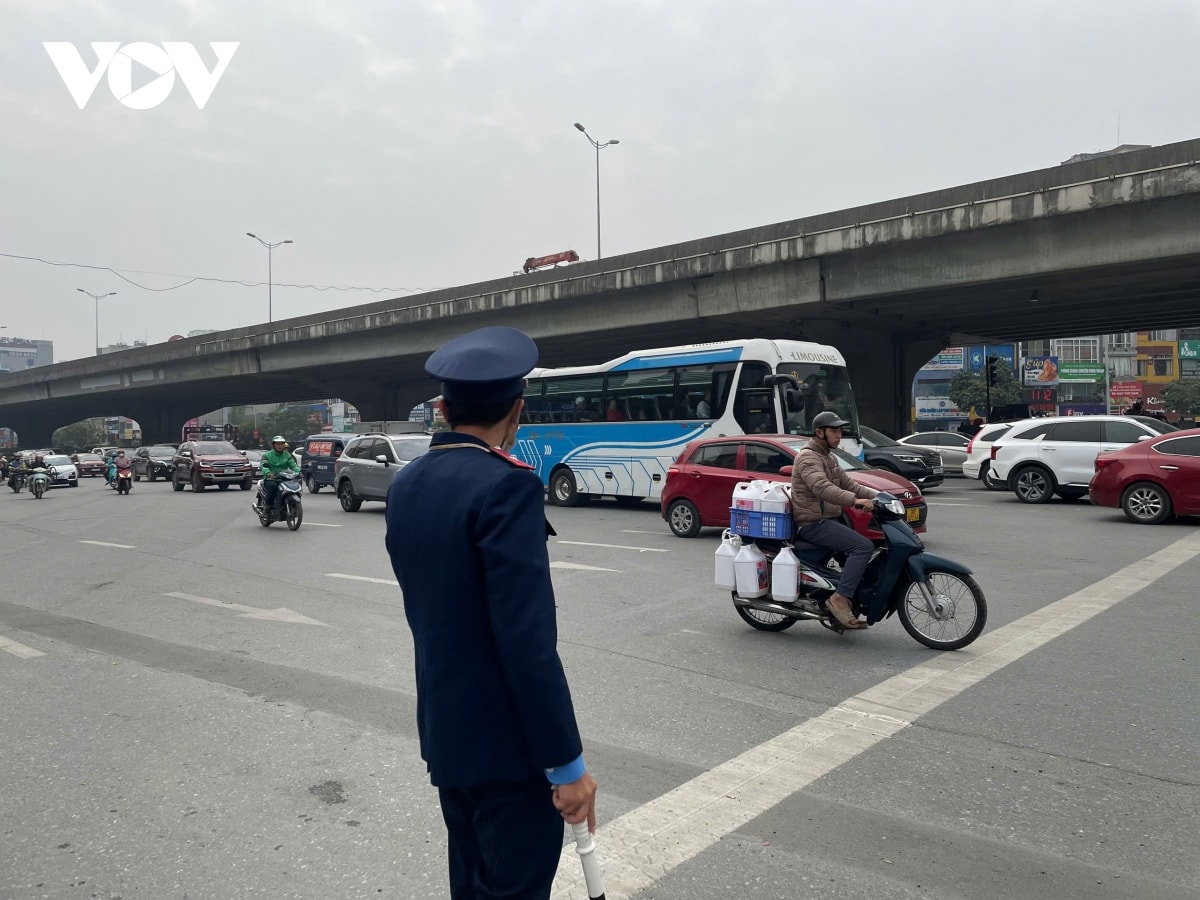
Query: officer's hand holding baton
x=577, y=803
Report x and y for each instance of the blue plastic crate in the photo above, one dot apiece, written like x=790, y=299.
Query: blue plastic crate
x=750, y=523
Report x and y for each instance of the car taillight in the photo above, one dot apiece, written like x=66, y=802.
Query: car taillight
x=994, y=451
x=1102, y=461
x=970, y=445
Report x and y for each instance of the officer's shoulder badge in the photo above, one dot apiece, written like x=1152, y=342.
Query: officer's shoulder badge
x=511, y=460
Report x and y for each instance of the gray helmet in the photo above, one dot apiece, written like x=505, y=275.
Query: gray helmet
x=828, y=419
x=278, y=439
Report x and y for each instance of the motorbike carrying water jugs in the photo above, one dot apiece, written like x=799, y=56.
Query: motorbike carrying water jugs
x=938, y=602
x=290, y=488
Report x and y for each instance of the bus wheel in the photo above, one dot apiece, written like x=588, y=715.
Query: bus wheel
x=562, y=489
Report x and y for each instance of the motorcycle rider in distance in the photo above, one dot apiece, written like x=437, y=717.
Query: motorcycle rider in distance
x=274, y=462
x=120, y=463
x=820, y=490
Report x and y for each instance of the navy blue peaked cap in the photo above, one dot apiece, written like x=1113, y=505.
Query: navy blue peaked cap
x=487, y=365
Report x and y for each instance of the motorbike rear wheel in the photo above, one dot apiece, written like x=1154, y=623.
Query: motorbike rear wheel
x=962, y=611
x=295, y=515
x=764, y=621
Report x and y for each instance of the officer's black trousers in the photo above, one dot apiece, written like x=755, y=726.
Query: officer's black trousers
x=505, y=840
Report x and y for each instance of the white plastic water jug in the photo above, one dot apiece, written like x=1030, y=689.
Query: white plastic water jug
x=730, y=545
x=777, y=498
x=750, y=572
x=785, y=572
x=749, y=494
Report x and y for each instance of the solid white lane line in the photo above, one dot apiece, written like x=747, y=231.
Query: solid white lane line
x=637, y=531
x=322, y=525
x=640, y=847
x=614, y=546
x=390, y=581
x=107, y=544
x=19, y=649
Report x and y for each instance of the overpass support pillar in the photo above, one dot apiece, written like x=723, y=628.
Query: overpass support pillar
x=380, y=401
x=160, y=424
x=33, y=432
x=882, y=367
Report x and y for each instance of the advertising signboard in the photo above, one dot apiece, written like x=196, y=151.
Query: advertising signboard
x=1189, y=349
x=1130, y=389
x=1080, y=371
x=1039, y=371
x=950, y=358
x=936, y=408
x=977, y=354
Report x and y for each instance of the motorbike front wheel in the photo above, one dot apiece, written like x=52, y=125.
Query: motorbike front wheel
x=960, y=615
x=295, y=515
x=37, y=491
x=764, y=621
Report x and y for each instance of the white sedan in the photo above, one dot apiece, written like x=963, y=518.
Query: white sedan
x=63, y=471
x=952, y=445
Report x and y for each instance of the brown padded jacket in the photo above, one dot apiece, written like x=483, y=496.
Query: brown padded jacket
x=820, y=488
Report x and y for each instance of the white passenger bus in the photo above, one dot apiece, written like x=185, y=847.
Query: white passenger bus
x=613, y=430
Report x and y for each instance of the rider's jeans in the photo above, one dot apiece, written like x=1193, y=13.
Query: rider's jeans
x=833, y=535
x=271, y=493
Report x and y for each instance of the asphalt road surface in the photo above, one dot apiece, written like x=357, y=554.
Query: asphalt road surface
x=197, y=707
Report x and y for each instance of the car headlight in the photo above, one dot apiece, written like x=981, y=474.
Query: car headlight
x=910, y=459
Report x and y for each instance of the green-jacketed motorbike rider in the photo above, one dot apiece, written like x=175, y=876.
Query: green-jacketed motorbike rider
x=274, y=462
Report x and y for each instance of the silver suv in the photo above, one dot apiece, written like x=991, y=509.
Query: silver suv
x=366, y=467
x=1039, y=458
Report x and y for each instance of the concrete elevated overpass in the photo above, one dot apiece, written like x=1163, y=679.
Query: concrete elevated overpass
x=1110, y=244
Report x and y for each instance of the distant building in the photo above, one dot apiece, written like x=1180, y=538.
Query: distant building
x=120, y=345
x=19, y=354
x=1124, y=148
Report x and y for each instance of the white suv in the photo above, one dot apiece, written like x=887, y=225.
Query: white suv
x=1038, y=458
x=978, y=463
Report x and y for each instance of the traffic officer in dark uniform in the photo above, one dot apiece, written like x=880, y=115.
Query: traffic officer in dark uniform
x=466, y=533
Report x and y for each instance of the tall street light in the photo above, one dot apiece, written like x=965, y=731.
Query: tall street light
x=599, y=146
x=97, y=298
x=269, y=247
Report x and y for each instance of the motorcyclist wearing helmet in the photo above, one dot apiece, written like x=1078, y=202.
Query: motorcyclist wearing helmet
x=820, y=490
x=121, y=462
x=274, y=462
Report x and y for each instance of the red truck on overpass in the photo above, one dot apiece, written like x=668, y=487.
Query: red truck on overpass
x=540, y=262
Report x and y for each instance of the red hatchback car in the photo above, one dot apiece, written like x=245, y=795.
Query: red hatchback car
x=699, y=488
x=1151, y=480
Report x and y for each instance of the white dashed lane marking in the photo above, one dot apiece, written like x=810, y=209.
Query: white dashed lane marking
x=19, y=649
x=390, y=581
x=107, y=544
x=615, y=546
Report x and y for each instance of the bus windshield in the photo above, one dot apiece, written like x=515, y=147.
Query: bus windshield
x=822, y=387
x=615, y=428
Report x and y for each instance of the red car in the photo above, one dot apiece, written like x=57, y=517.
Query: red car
x=1151, y=480
x=88, y=464
x=699, y=488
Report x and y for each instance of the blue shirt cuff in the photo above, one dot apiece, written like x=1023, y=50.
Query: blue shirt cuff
x=572, y=771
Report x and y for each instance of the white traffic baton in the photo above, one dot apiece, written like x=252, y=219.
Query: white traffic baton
x=585, y=846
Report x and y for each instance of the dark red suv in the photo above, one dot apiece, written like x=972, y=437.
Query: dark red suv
x=699, y=488
x=201, y=463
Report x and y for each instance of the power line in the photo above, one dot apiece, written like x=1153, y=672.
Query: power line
x=207, y=278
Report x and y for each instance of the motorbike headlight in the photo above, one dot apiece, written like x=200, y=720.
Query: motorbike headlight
x=894, y=506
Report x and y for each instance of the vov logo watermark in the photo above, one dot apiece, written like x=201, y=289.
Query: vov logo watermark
x=167, y=60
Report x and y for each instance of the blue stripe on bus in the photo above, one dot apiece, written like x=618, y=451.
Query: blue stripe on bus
x=692, y=358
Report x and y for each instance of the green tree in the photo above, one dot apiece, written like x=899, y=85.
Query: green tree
x=1182, y=397
x=78, y=436
x=969, y=389
x=289, y=422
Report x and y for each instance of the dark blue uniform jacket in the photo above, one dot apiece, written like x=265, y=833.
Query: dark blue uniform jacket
x=466, y=532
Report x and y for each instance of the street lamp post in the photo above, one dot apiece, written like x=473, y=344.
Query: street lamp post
x=269, y=247
x=599, y=146
x=97, y=298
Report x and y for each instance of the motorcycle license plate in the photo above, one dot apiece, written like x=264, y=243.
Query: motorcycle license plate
x=912, y=515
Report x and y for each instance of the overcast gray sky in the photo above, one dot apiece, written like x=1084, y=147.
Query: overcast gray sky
x=416, y=144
